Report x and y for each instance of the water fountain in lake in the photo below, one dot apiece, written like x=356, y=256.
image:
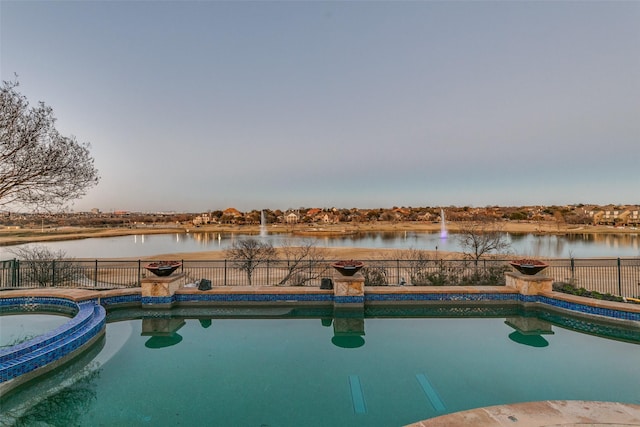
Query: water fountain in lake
x=263, y=224
x=443, y=226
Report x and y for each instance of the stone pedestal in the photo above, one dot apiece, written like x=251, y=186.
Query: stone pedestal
x=157, y=292
x=529, y=284
x=348, y=291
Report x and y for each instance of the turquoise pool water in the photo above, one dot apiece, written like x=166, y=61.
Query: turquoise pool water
x=17, y=328
x=279, y=369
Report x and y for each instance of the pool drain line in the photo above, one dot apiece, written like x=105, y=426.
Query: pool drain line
x=356, y=395
x=431, y=392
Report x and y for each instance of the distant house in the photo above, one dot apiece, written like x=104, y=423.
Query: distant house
x=313, y=212
x=231, y=216
x=232, y=212
x=427, y=216
x=204, y=218
x=400, y=214
x=616, y=216
x=313, y=215
x=291, y=218
x=610, y=216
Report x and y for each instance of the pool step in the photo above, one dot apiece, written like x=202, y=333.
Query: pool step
x=79, y=321
x=431, y=393
x=357, y=396
x=360, y=406
x=41, y=352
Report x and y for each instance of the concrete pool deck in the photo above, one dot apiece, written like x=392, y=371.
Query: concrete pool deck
x=531, y=414
x=565, y=413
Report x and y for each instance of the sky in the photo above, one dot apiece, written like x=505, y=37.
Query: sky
x=203, y=105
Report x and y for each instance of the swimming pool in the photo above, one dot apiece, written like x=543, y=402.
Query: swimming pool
x=314, y=367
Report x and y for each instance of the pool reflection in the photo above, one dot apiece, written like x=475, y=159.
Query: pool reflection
x=529, y=331
x=526, y=326
x=348, y=332
x=162, y=331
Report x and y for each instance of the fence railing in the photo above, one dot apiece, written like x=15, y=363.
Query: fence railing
x=617, y=276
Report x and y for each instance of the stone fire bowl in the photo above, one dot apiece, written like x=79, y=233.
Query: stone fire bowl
x=529, y=269
x=348, y=268
x=163, y=269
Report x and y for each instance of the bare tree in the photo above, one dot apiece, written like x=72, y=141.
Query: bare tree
x=479, y=238
x=44, y=267
x=416, y=262
x=302, y=262
x=38, y=166
x=247, y=254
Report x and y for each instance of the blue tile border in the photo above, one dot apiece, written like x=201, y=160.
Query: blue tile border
x=121, y=299
x=253, y=297
x=157, y=300
x=348, y=299
x=588, y=309
x=513, y=297
x=32, y=302
x=442, y=297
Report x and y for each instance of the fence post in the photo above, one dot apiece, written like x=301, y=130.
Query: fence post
x=619, y=279
x=95, y=275
x=398, y=270
x=53, y=267
x=15, y=270
x=267, y=272
x=573, y=270
x=225, y=273
x=139, y=273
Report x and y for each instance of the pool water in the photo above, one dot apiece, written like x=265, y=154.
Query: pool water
x=237, y=371
x=18, y=328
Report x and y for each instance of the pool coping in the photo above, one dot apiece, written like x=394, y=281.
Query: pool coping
x=566, y=413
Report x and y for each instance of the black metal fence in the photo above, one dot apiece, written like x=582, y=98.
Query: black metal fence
x=617, y=276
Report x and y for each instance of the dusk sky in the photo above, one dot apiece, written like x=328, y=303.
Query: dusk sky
x=204, y=105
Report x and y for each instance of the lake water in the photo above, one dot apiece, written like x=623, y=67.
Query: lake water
x=530, y=245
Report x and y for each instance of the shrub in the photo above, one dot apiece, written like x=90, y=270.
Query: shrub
x=568, y=288
x=374, y=276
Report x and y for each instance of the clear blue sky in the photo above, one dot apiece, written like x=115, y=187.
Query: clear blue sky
x=198, y=105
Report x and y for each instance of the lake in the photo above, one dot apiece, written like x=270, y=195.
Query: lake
x=529, y=245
